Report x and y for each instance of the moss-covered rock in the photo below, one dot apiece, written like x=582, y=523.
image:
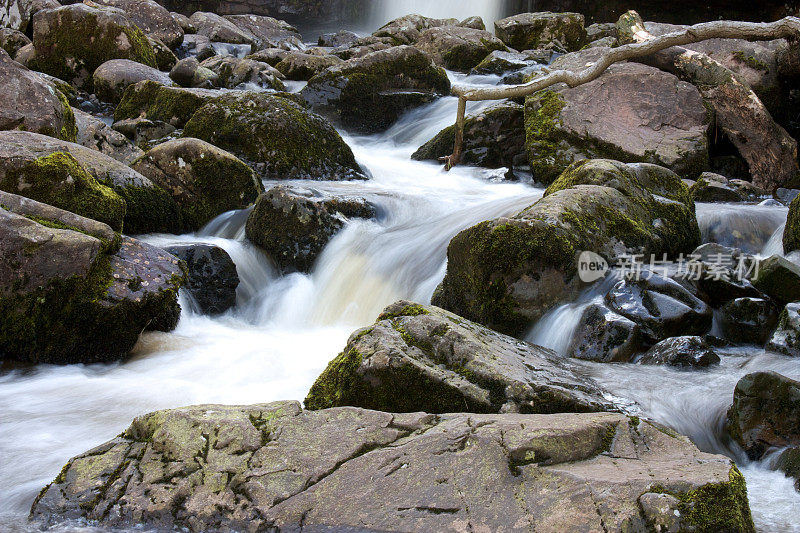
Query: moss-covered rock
x=277, y=137
x=155, y=101
x=528, y=31
x=506, y=273
x=32, y=103
x=12, y=41
x=204, y=180
x=791, y=235
x=493, y=138
x=458, y=48
x=368, y=93
x=408, y=28
x=302, y=66
x=72, y=292
x=72, y=41
x=152, y=18
x=113, y=77
x=646, y=116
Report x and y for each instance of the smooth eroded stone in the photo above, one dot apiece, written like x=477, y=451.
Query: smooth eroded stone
x=786, y=338
x=765, y=413
x=340, y=38
x=529, y=31
x=749, y=320
x=369, y=93
x=276, y=136
x=294, y=225
x=789, y=463
x=104, y=33
x=422, y=358
x=458, y=48
x=604, y=336
x=113, y=77
x=685, y=352
x=212, y=278
x=205, y=181
x=276, y=466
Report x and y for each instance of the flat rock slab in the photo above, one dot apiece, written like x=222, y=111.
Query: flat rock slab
x=259, y=467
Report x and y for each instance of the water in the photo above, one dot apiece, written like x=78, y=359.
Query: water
x=285, y=329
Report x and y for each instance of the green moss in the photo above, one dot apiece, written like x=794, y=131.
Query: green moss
x=59, y=180
x=155, y=101
x=69, y=130
x=542, y=122
x=752, y=62
x=150, y=210
x=409, y=310
x=791, y=235
x=338, y=383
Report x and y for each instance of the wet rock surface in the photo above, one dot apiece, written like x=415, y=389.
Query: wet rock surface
x=604, y=336
x=211, y=276
x=786, y=338
x=684, y=352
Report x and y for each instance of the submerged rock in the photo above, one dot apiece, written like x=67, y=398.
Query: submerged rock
x=212, y=278
x=786, y=338
x=105, y=33
x=113, y=77
x=506, y=273
x=604, y=336
x=632, y=113
x=350, y=469
x=458, y=48
x=681, y=352
x=493, y=138
x=765, y=413
x=205, y=181
x=294, y=225
x=529, y=31
x=369, y=93
x=72, y=291
x=32, y=103
x=422, y=358
x=276, y=136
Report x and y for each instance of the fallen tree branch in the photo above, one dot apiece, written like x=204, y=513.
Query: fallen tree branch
x=786, y=28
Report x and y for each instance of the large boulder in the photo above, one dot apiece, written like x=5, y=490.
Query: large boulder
x=72, y=292
x=113, y=77
x=279, y=467
x=147, y=209
x=457, y=48
x=95, y=134
x=212, y=278
x=765, y=413
x=786, y=338
x=493, y=138
x=368, y=93
x=779, y=278
x=155, y=101
x=204, y=180
x=530, y=31
x=408, y=29
x=294, y=225
x=105, y=33
x=268, y=32
x=422, y=358
x=278, y=137
x=151, y=18
x=633, y=113
x=17, y=14
x=748, y=320
x=219, y=29
x=235, y=73
x=303, y=66
x=32, y=103
x=791, y=235
x=506, y=273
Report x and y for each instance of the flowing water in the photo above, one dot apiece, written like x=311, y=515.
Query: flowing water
x=285, y=329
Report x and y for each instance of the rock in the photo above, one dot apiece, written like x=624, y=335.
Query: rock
x=219, y=29
x=791, y=235
x=25, y=55
x=271, y=56
x=603, y=30
x=277, y=137
x=212, y=277
x=789, y=463
x=340, y=38
x=786, y=339
x=457, y=48
x=765, y=413
x=476, y=23
x=779, y=278
x=369, y=93
x=153, y=19
x=184, y=22
x=106, y=33
x=786, y=196
x=268, y=32
x=303, y=67
x=403, y=472
x=362, y=47
x=712, y=187
x=165, y=58
x=32, y=103
x=662, y=307
x=157, y=102
x=17, y=14
x=408, y=29
x=142, y=131
x=501, y=61
x=198, y=46
x=506, y=273
x=493, y=138
x=749, y=320
x=604, y=336
x=12, y=40
x=148, y=209
x=529, y=31
x=662, y=511
x=188, y=73
x=72, y=292
x=95, y=134
x=205, y=181
x=647, y=116
x=294, y=225
x=239, y=73
x=681, y=352
x=422, y=358
x=113, y=77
